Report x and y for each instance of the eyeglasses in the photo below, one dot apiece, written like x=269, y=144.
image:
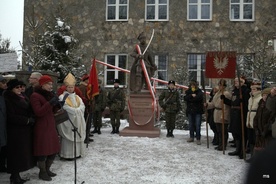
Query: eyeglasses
x=17, y=87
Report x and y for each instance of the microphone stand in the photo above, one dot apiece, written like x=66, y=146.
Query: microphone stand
x=75, y=130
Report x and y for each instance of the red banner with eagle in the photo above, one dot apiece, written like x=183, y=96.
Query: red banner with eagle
x=220, y=64
x=92, y=86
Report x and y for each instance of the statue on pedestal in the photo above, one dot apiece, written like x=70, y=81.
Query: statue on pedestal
x=137, y=76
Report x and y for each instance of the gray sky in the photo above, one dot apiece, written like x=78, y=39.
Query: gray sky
x=11, y=21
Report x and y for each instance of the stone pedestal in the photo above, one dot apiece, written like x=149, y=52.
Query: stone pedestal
x=141, y=116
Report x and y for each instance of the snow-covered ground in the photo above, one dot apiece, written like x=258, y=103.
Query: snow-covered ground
x=140, y=160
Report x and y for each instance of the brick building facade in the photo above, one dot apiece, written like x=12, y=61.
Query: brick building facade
x=184, y=30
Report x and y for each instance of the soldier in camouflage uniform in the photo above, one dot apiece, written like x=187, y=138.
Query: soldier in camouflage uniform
x=169, y=100
x=98, y=108
x=116, y=104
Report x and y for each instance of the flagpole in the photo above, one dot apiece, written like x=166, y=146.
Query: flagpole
x=205, y=110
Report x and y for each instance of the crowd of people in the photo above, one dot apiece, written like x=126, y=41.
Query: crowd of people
x=29, y=135
x=247, y=112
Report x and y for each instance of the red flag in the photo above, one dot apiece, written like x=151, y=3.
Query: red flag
x=221, y=64
x=92, y=86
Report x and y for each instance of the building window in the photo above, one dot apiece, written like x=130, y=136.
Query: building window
x=157, y=10
x=118, y=60
x=199, y=10
x=117, y=10
x=196, y=67
x=161, y=62
x=242, y=10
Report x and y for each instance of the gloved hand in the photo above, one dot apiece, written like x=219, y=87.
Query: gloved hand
x=54, y=100
x=222, y=97
x=31, y=121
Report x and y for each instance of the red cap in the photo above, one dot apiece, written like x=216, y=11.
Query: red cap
x=44, y=79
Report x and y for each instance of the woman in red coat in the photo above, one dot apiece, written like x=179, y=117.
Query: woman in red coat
x=19, y=131
x=46, y=141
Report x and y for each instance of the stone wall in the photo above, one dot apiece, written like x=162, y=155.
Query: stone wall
x=177, y=37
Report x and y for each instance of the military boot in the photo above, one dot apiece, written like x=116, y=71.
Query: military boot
x=171, y=133
x=99, y=130
x=95, y=130
x=237, y=152
x=113, y=130
x=168, y=133
x=117, y=130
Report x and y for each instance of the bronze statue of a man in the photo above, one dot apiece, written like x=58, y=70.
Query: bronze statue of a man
x=137, y=76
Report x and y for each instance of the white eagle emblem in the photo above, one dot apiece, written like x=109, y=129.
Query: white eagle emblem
x=220, y=63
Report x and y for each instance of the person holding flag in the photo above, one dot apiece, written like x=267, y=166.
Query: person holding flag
x=91, y=91
x=221, y=114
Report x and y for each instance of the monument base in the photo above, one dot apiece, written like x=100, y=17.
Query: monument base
x=155, y=132
x=141, y=116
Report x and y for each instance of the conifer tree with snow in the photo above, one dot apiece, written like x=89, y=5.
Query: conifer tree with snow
x=53, y=47
x=5, y=45
x=57, y=46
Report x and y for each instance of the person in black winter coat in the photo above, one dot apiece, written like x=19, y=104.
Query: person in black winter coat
x=235, y=125
x=194, y=110
x=19, y=131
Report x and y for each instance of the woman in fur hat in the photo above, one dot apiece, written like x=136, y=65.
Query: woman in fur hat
x=19, y=131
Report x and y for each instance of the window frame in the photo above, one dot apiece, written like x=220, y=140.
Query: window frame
x=199, y=8
x=116, y=72
x=241, y=4
x=200, y=68
x=156, y=61
x=117, y=11
x=156, y=8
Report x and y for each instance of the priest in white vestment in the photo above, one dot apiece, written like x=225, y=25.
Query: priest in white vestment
x=75, y=109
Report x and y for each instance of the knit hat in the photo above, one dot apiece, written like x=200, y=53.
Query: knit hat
x=266, y=91
x=13, y=83
x=44, y=79
x=69, y=80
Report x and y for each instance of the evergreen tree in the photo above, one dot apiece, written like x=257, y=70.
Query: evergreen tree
x=5, y=45
x=57, y=46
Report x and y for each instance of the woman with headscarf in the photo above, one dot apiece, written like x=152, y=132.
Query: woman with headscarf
x=19, y=131
x=46, y=142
